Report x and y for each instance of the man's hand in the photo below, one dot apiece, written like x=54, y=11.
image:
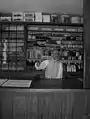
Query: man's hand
x=38, y=63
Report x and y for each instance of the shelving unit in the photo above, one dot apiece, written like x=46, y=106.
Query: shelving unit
x=12, y=47
x=23, y=43
x=46, y=41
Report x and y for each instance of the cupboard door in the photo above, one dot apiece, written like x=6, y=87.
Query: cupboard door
x=6, y=106
x=19, y=107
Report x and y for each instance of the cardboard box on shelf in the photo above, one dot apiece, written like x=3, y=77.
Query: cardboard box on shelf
x=38, y=17
x=29, y=16
x=46, y=17
x=75, y=19
x=55, y=18
x=5, y=17
x=17, y=16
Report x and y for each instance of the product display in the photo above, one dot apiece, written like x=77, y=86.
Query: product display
x=29, y=16
x=65, y=18
x=38, y=17
x=5, y=17
x=53, y=18
x=68, y=44
x=75, y=19
x=12, y=46
x=46, y=17
x=17, y=16
x=23, y=43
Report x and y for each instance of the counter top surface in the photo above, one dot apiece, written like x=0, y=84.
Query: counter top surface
x=40, y=90
x=41, y=84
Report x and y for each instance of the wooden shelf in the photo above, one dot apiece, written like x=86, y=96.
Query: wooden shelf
x=41, y=23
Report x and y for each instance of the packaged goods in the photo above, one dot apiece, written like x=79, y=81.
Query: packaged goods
x=17, y=16
x=46, y=17
x=55, y=18
x=75, y=19
x=29, y=16
x=38, y=17
x=65, y=18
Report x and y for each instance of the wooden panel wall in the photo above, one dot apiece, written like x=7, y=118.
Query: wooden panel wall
x=44, y=105
x=86, y=11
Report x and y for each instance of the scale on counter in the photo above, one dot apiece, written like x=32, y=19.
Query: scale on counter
x=17, y=83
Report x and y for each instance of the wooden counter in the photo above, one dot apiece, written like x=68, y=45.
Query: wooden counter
x=43, y=103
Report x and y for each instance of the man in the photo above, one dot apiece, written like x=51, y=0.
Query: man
x=52, y=66
x=53, y=70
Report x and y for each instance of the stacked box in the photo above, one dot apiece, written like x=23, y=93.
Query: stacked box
x=76, y=19
x=5, y=17
x=38, y=17
x=46, y=17
x=65, y=18
x=29, y=16
x=17, y=16
x=55, y=18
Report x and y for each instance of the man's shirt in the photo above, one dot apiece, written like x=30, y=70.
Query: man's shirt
x=53, y=69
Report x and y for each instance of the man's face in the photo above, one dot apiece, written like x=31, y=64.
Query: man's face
x=55, y=56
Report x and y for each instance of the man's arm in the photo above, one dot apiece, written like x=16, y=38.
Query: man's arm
x=42, y=65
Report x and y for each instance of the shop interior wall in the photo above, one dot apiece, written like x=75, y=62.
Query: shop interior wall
x=63, y=6
x=87, y=41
